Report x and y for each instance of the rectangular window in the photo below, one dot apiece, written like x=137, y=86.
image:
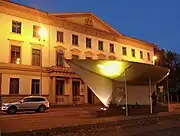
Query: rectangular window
x=148, y=56
x=15, y=54
x=88, y=58
x=16, y=27
x=111, y=47
x=14, y=86
x=141, y=54
x=76, y=57
x=100, y=45
x=36, y=31
x=35, y=87
x=36, y=57
x=74, y=39
x=59, y=58
x=124, y=50
x=59, y=87
x=88, y=43
x=59, y=36
x=133, y=53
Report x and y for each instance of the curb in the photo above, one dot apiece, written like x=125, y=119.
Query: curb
x=131, y=123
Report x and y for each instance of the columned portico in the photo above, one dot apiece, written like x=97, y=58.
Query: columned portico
x=69, y=90
x=66, y=88
x=53, y=97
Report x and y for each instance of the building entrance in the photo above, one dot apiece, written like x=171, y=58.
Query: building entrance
x=76, y=91
x=90, y=96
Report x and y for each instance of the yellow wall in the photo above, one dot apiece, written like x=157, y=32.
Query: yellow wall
x=27, y=42
x=24, y=84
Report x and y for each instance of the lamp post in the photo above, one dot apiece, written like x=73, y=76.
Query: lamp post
x=42, y=34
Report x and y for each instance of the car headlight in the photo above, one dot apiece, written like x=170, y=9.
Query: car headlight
x=6, y=104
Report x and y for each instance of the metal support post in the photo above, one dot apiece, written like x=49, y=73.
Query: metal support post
x=150, y=94
x=126, y=93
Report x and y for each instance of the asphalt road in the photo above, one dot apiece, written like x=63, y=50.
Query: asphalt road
x=58, y=117
x=168, y=128
x=52, y=118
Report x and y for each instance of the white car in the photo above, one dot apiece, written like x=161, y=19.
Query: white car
x=31, y=103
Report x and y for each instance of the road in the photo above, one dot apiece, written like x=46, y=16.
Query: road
x=58, y=117
x=168, y=128
x=55, y=117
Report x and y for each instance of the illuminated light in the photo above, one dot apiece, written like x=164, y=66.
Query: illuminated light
x=18, y=61
x=42, y=32
x=100, y=66
x=103, y=109
x=110, y=68
x=154, y=58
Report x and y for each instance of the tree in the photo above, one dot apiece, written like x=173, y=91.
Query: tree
x=170, y=60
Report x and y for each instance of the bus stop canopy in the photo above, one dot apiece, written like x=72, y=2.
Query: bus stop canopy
x=132, y=72
x=100, y=75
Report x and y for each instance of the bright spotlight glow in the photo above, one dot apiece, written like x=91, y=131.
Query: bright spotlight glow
x=18, y=61
x=110, y=68
x=154, y=58
x=100, y=66
x=42, y=32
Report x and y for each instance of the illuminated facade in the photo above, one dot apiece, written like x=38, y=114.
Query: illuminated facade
x=26, y=57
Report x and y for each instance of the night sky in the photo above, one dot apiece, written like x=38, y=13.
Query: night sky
x=155, y=21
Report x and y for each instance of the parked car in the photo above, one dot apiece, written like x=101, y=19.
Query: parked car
x=30, y=103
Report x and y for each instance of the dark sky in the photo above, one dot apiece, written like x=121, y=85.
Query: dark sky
x=156, y=21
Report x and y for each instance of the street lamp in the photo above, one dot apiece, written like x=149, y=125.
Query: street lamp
x=154, y=59
x=42, y=34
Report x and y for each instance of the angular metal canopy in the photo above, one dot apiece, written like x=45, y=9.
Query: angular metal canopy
x=136, y=73
x=99, y=75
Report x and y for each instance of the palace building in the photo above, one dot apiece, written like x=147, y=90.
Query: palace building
x=34, y=44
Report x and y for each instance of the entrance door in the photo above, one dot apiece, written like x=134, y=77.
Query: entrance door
x=76, y=91
x=90, y=96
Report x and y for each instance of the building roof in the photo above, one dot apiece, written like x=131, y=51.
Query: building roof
x=75, y=14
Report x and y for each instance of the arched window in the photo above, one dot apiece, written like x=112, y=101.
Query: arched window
x=59, y=58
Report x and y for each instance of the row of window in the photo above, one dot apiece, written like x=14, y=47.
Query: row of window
x=133, y=53
x=36, y=56
x=35, y=87
x=14, y=86
x=16, y=55
x=16, y=28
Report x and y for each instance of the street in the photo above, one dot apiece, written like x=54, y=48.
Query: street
x=62, y=117
x=170, y=128
x=52, y=118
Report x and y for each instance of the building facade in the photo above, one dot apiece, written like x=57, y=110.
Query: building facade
x=26, y=57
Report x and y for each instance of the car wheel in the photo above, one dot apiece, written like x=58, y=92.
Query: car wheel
x=12, y=110
x=41, y=109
